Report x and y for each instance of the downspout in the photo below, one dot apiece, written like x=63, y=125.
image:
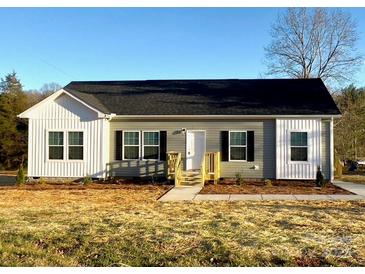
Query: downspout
x=106, y=136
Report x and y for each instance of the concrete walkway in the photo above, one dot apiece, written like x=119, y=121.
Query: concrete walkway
x=191, y=194
x=358, y=189
x=186, y=193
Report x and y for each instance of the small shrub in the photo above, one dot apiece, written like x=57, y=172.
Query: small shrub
x=239, y=179
x=268, y=183
x=42, y=181
x=87, y=180
x=319, y=178
x=20, y=178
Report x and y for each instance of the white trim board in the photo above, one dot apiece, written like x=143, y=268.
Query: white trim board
x=54, y=96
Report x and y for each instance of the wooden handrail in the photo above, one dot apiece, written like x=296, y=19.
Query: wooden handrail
x=203, y=170
x=178, y=170
x=212, y=166
x=174, y=168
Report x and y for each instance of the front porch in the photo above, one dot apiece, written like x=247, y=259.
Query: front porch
x=210, y=169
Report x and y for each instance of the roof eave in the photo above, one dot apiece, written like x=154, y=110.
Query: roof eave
x=192, y=117
x=25, y=114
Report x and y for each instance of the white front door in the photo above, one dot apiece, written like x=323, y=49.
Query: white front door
x=195, y=148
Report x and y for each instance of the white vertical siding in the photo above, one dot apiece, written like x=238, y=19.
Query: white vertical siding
x=65, y=113
x=285, y=169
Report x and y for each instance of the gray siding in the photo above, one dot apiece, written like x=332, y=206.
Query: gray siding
x=325, y=149
x=264, y=146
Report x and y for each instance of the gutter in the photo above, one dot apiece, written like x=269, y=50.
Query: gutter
x=223, y=117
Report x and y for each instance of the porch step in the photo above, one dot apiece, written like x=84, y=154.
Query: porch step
x=190, y=178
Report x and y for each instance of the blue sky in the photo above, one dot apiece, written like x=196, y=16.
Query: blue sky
x=61, y=45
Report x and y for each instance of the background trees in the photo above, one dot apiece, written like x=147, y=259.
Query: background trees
x=321, y=43
x=13, y=131
x=314, y=43
x=350, y=128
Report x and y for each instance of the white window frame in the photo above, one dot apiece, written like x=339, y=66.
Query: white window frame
x=290, y=146
x=68, y=146
x=139, y=144
x=158, y=145
x=229, y=146
x=65, y=146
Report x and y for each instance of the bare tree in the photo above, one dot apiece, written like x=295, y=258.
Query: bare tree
x=314, y=43
x=49, y=88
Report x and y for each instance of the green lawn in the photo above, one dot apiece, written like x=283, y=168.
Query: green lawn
x=128, y=227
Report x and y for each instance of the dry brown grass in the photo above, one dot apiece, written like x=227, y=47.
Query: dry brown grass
x=358, y=178
x=127, y=226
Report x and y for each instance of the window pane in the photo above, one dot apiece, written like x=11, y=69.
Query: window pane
x=55, y=138
x=75, y=138
x=55, y=153
x=75, y=153
x=131, y=138
x=299, y=154
x=238, y=153
x=298, y=139
x=150, y=153
x=131, y=152
x=150, y=138
x=238, y=138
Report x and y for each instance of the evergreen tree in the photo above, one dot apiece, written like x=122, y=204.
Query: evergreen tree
x=13, y=131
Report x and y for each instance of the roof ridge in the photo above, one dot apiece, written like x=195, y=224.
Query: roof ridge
x=190, y=79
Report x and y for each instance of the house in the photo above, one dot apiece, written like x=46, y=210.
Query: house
x=264, y=128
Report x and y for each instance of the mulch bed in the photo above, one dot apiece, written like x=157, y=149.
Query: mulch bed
x=130, y=184
x=278, y=187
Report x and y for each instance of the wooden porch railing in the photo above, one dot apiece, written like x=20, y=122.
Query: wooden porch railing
x=203, y=170
x=210, y=168
x=174, y=167
x=212, y=163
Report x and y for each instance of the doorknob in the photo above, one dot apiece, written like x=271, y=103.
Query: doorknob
x=188, y=152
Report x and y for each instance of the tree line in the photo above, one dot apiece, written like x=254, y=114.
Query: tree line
x=13, y=130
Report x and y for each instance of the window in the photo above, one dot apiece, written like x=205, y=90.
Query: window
x=55, y=145
x=131, y=145
x=298, y=146
x=237, y=146
x=151, y=141
x=75, y=145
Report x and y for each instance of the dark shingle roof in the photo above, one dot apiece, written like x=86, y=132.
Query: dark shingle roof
x=207, y=97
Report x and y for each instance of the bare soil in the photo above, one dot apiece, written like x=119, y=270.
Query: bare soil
x=277, y=187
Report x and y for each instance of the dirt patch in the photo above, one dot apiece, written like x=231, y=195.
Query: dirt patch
x=277, y=187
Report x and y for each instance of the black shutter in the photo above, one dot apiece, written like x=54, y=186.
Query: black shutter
x=224, y=145
x=250, y=146
x=163, y=145
x=119, y=145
